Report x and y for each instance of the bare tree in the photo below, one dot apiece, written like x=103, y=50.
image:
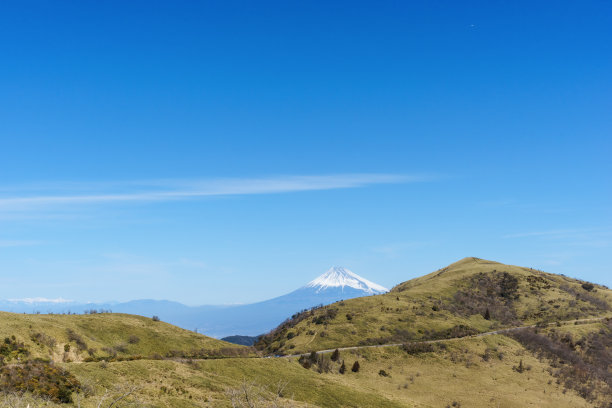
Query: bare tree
x=110, y=398
x=251, y=395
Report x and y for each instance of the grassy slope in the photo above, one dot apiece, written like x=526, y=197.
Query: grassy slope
x=205, y=383
x=100, y=331
x=462, y=370
x=409, y=308
x=457, y=373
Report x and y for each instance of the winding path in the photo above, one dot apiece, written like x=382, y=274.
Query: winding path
x=500, y=331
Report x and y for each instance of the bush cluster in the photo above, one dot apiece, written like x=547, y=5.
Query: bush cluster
x=490, y=295
x=44, y=339
x=39, y=378
x=597, y=303
x=11, y=348
x=77, y=339
x=581, y=365
x=418, y=348
x=279, y=334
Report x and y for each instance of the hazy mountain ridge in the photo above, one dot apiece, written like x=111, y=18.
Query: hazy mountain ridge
x=223, y=320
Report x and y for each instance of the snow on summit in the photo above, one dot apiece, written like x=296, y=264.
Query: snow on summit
x=339, y=277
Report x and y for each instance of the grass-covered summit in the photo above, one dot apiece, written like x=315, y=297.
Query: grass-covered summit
x=103, y=336
x=467, y=297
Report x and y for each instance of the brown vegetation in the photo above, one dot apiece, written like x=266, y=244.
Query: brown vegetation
x=38, y=378
x=582, y=365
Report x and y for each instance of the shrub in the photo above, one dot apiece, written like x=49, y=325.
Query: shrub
x=342, y=369
x=329, y=314
x=417, y=348
x=323, y=364
x=155, y=318
x=313, y=357
x=453, y=332
x=41, y=379
x=72, y=336
x=11, y=348
x=41, y=338
x=120, y=348
x=383, y=373
x=134, y=339
x=335, y=355
x=355, y=367
x=588, y=286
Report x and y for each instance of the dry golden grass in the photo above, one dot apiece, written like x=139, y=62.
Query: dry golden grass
x=418, y=308
x=127, y=335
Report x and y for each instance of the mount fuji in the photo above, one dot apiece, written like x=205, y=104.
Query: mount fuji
x=336, y=284
x=253, y=319
x=339, y=278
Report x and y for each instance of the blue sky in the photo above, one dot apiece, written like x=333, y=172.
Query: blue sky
x=228, y=152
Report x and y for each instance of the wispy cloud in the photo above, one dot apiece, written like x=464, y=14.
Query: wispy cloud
x=167, y=190
x=579, y=237
x=555, y=233
x=40, y=300
x=17, y=243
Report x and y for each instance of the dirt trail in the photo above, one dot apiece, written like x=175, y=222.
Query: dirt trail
x=500, y=331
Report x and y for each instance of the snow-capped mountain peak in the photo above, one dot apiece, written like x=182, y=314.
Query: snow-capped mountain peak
x=339, y=277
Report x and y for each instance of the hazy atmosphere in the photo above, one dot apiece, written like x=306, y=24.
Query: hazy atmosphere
x=220, y=153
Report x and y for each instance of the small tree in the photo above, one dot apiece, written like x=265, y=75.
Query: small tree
x=342, y=368
x=487, y=315
x=335, y=355
x=355, y=368
x=313, y=357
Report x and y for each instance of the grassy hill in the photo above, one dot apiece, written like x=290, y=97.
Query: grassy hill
x=105, y=336
x=118, y=360
x=471, y=372
x=467, y=297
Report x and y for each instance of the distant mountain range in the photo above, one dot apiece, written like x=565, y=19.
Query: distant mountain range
x=221, y=321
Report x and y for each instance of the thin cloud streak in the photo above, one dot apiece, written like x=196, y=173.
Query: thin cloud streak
x=552, y=233
x=181, y=190
x=585, y=237
x=17, y=243
x=40, y=300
